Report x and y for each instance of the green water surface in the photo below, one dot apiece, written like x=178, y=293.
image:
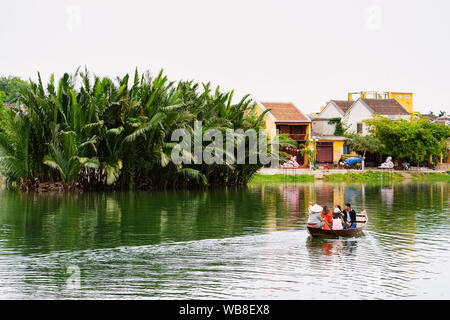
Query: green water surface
x=224, y=243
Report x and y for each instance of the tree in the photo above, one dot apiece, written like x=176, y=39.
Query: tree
x=11, y=86
x=417, y=140
x=359, y=143
x=103, y=133
x=14, y=145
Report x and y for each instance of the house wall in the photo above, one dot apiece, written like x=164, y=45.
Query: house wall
x=338, y=149
x=321, y=127
x=330, y=111
x=397, y=117
x=357, y=114
x=270, y=123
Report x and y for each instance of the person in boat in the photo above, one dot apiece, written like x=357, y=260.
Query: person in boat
x=327, y=218
x=349, y=217
x=338, y=221
x=315, y=218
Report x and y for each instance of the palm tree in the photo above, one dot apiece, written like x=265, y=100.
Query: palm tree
x=14, y=145
x=117, y=133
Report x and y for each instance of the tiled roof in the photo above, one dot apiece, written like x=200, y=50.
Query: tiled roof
x=344, y=105
x=285, y=112
x=385, y=106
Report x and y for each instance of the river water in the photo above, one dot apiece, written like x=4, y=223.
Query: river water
x=225, y=243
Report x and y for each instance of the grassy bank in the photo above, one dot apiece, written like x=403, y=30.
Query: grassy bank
x=259, y=179
x=431, y=177
x=367, y=177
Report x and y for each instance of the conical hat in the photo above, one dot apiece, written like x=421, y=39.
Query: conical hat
x=316, y=208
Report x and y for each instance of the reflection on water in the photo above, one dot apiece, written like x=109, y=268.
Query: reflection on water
x=228, y=243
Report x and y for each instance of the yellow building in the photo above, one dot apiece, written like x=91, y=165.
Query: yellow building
x=330, y=147
x=287, y=118
x=404, y=98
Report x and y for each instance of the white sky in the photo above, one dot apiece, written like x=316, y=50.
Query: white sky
x=306, y=52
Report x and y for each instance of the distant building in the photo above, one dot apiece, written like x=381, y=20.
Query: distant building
x=364, y=109
x=405, y=99
x=330, y=147
x=443, y=120
x=429, y=116
x=287, y=118
x=335, y=109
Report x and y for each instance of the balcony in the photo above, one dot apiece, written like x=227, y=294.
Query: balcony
x=298, y=136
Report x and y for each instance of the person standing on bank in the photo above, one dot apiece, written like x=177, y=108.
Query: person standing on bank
x=349, y=217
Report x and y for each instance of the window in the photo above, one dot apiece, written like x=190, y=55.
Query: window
x=294, y=129
x=283, y=129
x=399, y=96
x=346, y=149
x=359, y=127
x=298, y=129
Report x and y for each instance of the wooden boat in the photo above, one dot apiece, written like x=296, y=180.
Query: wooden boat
x=361, y=222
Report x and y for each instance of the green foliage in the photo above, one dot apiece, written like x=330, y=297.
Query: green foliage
x=416, y=140
x=306, y=151
x=360, y=143
x=432, y=177
x=98, y=132
x=11, y=86
x=366, y=176
x=259, y=179
x=14, y=144
x=340, y=129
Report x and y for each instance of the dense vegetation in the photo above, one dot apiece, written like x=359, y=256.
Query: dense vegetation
x=413, y=141
x=410, y=141
x=10, y=88
x=92, y=132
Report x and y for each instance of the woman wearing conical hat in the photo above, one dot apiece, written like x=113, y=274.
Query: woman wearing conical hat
x=315, y=218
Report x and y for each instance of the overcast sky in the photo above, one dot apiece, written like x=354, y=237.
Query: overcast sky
x=306, y=52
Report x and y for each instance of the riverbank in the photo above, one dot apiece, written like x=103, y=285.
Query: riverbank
x=431, y=177
x=275, y=175
x=365, y=176
x=341, y=176
x=259, y=179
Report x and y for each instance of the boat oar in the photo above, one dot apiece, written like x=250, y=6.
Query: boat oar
x=331, y=229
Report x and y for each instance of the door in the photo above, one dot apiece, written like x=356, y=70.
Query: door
x=324, y=152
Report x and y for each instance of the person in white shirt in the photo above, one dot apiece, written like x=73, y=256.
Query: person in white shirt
x=315, y=218
x=338, y=221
